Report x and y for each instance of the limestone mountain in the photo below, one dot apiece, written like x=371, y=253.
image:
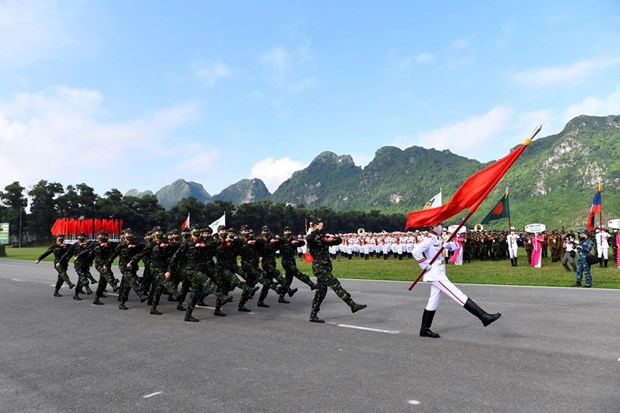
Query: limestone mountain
x=246, y=190
x=138, y=194
x=553, y=182
x=169, y=195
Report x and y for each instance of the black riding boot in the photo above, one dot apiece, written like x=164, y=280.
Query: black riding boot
x=427, y=320
x=485, y=317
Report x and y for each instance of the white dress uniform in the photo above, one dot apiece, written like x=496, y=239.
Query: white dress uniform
x=602, y=245
x=435, y=274
x=513, y=247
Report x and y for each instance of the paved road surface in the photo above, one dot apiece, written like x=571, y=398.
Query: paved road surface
x=553, y=350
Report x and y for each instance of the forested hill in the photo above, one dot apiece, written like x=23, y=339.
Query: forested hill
x=553, y=182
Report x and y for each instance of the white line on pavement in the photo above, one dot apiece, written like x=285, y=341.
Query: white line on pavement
x=369, y=329
x=151, y=395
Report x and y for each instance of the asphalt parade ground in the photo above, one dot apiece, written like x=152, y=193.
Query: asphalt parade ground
x=553, y=350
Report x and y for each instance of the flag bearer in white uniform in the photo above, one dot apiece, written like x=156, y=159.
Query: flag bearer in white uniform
x=435, y=274
x=513, y=247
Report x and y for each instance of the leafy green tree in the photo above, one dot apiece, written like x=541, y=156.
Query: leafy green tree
x=14, y=207
x=44, y=207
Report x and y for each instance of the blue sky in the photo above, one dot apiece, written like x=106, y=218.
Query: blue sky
x=136, y=94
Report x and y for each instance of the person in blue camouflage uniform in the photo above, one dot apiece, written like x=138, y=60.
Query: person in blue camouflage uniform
x=269, y=246
x=83, y=260
x=249, y=252
x=288, y=250
x=583, y=250
x=59, y=248
x=158, y=255
x=318, y=245
x=125, y=251
x=197, y=253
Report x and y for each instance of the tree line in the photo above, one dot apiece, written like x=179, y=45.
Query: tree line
x=32, y=213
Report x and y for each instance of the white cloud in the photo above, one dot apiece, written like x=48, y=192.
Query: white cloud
x=31, y=30
x=282, y=67
x=593, y=106
x=59, y=135
x=424, y=58
x=277, y=58
x=563, y=75
x=210, y=73
x=275, y=171
x=469, y=135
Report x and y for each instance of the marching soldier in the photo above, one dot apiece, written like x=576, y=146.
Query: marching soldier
x=269, y=246
x=59, y=248
x=287, y=252
x=83, y=260
x=125, y=251
x=102, y=250
x=318, y=244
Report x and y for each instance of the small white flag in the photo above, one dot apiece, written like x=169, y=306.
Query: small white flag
x=220, y=221
x=433, y=202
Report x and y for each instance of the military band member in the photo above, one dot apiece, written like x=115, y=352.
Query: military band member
x=602, y=246
x=435, y=275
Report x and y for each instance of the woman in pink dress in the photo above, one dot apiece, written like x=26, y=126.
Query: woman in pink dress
x=457, y=256
x=537, y=242
x=618, y=247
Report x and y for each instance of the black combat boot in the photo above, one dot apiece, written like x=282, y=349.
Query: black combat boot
x=357, y=307
x=485, y=317
x=57, y=294
x=283, y=300
x=244, y=309
x=154, y=311
x=261, y=303
x=427, y=321
x=605, y=263
x=88, y=290
x=97, y=302
x=188, y=317
x=515, y=261
x=218, y=312
x=122, y=306
x=314, y=318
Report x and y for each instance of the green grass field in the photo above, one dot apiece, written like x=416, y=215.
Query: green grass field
x=476, y=272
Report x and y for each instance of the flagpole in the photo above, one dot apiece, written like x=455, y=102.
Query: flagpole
x=509, y=224
x=441, y=249
x=600, y=213
x=473, y=208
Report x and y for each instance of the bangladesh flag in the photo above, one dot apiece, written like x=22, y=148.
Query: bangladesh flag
x=500, y=210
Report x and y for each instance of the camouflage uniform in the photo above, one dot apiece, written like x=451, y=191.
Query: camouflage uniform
x=583, y=250
x=287, y=252
x=126, y=251
x=318, y=245
x=83, y=260
x=268, y=248
x=226, y=251
x=59, y=248
x=250, y=259
x=197, y=252
x=158, y=255
x=102, y=250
